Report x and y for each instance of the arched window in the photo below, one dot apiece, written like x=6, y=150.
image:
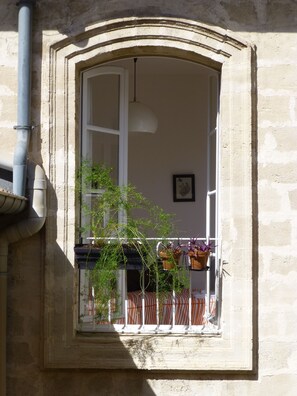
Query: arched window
x=177, y=167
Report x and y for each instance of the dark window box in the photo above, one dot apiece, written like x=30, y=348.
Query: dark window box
x=86, y=257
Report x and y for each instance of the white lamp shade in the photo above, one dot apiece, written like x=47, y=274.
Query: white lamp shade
x=141, y=118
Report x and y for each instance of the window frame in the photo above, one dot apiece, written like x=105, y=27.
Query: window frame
x=235, y=348
x=121, y=132
x=210, y=300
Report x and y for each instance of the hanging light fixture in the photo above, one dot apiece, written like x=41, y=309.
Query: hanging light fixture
x=141, y=117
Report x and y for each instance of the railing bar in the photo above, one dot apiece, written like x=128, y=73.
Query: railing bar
x=149, y=239
x=126, y=302
x=109, y=311
x=157, y=311
x=157, y=301
x=158, y=327
x=190, y=301
x=143, y=310
x=207, y=302
x=173, y=308
x=93, y=305
x=126, y=312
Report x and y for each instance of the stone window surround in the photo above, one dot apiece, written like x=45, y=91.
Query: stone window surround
x=235, y=348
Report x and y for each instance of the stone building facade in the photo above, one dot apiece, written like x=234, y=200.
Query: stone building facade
x=252, y=45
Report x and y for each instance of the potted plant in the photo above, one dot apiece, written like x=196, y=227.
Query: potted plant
x=169, y=254
x=198, y=253
x=119, y=221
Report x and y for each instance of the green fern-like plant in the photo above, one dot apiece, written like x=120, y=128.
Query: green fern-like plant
x=117, y=218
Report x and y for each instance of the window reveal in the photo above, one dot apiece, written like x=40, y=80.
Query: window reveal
x=105, y=139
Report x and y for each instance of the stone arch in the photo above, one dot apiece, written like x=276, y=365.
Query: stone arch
x=128, y=37
x=151, y=36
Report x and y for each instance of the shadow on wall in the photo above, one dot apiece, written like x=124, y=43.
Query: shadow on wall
x=25, y=330
x=249, y=16
x=28, y=296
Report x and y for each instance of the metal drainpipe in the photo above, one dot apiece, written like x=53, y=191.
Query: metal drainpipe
x=37, y=214
x=25, y=228
x=24, y=96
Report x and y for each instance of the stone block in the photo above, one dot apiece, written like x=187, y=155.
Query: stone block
x=293, y=199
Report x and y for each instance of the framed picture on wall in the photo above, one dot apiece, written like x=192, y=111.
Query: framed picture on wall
x=184, y=188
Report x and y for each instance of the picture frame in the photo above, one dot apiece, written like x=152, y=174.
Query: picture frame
x=184, y=188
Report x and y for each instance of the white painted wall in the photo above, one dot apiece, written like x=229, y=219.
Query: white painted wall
x=180, y=101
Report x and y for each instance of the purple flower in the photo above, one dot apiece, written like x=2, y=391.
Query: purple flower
x=193, y=245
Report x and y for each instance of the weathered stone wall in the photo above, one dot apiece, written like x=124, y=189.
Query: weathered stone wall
x=271, y=27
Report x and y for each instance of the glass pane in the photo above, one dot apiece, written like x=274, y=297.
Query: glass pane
x=104, y=101
x=105, y=150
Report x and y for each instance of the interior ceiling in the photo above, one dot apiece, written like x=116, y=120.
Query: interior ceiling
x=163, y=65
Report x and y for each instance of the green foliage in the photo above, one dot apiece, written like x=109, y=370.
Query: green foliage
x=119, y=211
x=117, y=217
x=104, y=279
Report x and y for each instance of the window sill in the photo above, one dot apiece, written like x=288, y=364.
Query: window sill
x=207, y=352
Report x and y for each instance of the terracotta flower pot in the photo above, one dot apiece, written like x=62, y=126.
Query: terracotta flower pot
x=170, y=259
x=198, y=259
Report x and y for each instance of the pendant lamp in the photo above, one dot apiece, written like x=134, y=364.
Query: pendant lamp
x=141, y=117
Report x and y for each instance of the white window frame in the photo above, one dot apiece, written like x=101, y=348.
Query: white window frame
x=122, y=132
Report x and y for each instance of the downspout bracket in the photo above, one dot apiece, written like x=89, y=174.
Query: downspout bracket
x=24, y=127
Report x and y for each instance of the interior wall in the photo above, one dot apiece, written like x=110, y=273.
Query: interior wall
x=180, y=102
